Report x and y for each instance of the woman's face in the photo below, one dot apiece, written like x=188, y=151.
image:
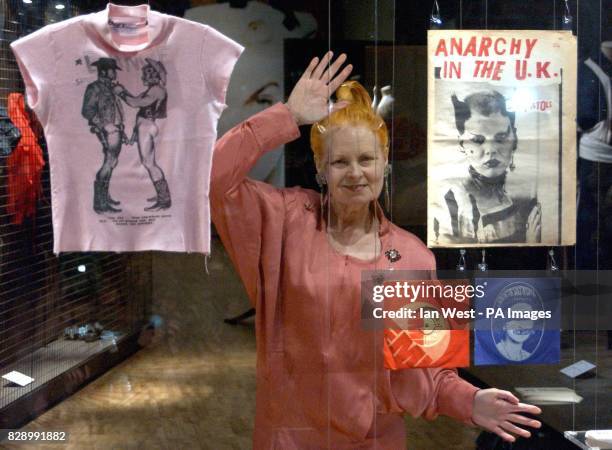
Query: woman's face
x=488, y=142
x=519, y=330
x=355, y=165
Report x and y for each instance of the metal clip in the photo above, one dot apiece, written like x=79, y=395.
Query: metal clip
x=483, y=266
x=461, y=265
x=567, y=20
x=435, y=20
x=553, y=263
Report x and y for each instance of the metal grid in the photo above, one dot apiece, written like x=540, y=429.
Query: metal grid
x=41, y=294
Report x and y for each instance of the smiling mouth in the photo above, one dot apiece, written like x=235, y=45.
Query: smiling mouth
x=355, y=187
x=492, y=163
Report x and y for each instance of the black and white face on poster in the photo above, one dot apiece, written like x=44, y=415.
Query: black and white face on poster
x=501, y=138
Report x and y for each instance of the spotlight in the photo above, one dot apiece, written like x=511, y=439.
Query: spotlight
x=27, y=2
x=59, y=6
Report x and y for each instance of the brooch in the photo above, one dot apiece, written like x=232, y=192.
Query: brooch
x=393, y=255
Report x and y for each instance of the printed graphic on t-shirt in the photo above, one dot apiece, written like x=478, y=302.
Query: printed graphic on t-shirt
x=103, y=107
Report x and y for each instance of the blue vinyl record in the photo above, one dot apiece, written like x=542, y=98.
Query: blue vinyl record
x=518, y=321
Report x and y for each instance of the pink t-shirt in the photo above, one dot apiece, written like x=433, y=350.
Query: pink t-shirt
x=129, y=99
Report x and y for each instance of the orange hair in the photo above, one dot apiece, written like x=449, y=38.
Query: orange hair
x=358, y=112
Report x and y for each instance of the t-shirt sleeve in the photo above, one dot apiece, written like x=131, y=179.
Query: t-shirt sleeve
x=36, y=63
x=219, y=56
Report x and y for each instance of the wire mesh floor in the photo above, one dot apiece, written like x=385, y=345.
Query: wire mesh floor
x=46, y=363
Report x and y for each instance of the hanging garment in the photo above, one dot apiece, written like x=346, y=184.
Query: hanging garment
x=595, y=194
x=9, y=133
x=129, y=99
x=24, y=165
x=596, y=143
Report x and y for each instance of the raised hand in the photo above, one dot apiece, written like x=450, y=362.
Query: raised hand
x=309, y=99
x=499, y=412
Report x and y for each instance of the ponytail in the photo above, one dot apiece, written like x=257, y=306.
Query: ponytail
x=358, y=112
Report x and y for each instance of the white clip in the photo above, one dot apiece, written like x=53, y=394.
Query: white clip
x=435, y=20
x=568, y=20
x=461, y=265
x=553, y=263
x=483, y=266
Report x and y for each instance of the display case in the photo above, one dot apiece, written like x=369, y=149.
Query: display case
x=66, y=318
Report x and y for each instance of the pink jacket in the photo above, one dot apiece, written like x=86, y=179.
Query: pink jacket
x=320, y=376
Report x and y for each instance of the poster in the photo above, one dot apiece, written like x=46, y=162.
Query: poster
x=428, y=325
x=257, y=81
x=518, y=321
x=501, y=138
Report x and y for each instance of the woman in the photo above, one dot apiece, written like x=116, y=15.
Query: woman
x=475, y=208
x=320, y=376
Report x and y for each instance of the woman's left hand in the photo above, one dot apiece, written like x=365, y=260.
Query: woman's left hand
x=499, y=412
x=309, y=99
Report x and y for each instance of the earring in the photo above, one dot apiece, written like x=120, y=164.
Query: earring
x=461, y=148
x=512, y=166
x=387, y=170
x=387, y=196
x=321, y=179
x=387, y=199
x=321, y=201
x=322, y=182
